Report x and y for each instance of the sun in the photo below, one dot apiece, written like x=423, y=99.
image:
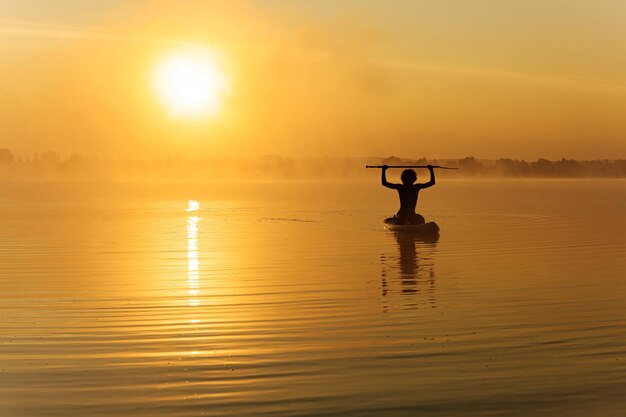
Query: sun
x=189, y=83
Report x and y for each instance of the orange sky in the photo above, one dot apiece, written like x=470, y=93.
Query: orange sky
x=433, y=78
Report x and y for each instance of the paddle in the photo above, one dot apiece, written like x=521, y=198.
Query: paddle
x=408, y=166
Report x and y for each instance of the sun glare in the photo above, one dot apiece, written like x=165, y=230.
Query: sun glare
x=189, y=83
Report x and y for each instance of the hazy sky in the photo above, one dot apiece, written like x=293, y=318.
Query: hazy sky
x=440, y=78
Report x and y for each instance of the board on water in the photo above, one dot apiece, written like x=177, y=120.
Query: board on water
x=426, y=229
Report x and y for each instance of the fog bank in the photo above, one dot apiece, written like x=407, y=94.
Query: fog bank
x=50, y=166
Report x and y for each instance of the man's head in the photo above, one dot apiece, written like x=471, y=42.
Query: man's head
x=408, y=177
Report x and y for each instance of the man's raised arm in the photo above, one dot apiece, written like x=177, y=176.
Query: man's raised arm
x=432, y=178
x=383, y=179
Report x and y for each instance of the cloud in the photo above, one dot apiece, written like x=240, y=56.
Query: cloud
x=563, y=81
x=31, y=30
x=20, y=29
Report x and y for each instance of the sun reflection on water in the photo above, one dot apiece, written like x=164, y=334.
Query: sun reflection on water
x=193, y=262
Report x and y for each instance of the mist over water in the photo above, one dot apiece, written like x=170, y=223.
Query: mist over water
x=51, y=167
x=290, y=299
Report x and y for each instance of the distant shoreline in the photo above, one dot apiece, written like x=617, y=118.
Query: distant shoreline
x=49, y=166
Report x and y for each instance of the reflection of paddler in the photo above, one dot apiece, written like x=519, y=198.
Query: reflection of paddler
x=415, y=273
x=408, y=192
x=409, y=261
x=408, y=253
x=407, y=244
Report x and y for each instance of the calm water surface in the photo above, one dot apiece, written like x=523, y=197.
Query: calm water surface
x=292, y=300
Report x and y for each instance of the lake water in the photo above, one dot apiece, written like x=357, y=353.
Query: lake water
x=292, y=300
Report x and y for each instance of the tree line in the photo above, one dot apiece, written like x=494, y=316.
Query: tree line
x=518, y=168
x=51, y=166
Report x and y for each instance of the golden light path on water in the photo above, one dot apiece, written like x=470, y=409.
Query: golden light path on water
x=193, y=262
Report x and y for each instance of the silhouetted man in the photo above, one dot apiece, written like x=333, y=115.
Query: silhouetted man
x=408, y=192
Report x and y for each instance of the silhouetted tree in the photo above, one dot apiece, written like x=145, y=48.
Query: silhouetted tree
x=542, y=168
x=50, y=159
x=470, y=166
x=75, y=161
x=6, y=156
x=512, y=168
x=392, y=160
x=568, y=168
